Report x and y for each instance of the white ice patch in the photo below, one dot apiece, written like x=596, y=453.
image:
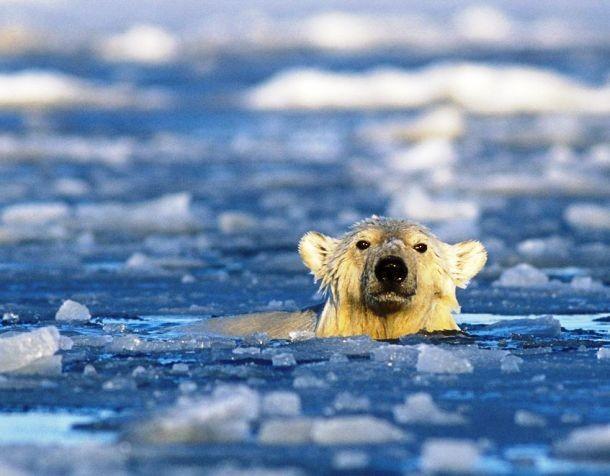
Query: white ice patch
x=522, y=275
x=416, y=204
x=544, y=326
x=443, y=455
x=592, y=442
x=476, y=87
x=529, y=419
x=38, y=88
x=433, y=359
x=353, y=430
x=281, y=403
x=23, y=349
x=420, y=408
x=430, y=154
x=169, y=214
x=72, y=311
x=148, y=44
x=588, y=216
x=225, y=416
x=603, y=353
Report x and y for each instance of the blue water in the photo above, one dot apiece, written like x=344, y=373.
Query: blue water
x=257, y=181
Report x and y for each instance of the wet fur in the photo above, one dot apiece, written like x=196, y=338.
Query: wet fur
x=340, y=268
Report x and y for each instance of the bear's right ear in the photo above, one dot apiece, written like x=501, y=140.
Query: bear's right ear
x=314, y=249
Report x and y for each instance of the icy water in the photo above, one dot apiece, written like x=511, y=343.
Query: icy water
x=160, y=195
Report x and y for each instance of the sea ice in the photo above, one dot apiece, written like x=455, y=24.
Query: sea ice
x=285, y=431
x=511, y=364
x=147, y=44
x=395, y=353
x=433, y=359
x=224, y=416
x=284, y=359
x=522, y=275
x=588, y=216
x=427, y=155
x=591, y=442
x=416, y=204
x=22, y=349
x=281, y=403
x=603, y=353
x=444, y=455
x=476, y=87
x=346, y=401
x=72, y=311
x=525, y=418
x=544, y=326
x=420, y=408
x=350, y=460
x=353, y=430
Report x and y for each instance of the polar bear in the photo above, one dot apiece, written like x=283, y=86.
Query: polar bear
x=384, y=278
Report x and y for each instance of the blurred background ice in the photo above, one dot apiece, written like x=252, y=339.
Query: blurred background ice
x=160, y=159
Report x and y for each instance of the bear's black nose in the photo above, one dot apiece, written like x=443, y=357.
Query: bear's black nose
x=391, y=269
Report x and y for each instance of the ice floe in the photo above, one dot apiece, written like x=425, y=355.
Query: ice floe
x=148, y=44
x=40, y=88
x=588, y=216
x=522, y=275
x=591, y=442
x=432, y=359
x=444, y=455
x=420, y=408
x=19, y=350
x=476, y=87
x=71, y=311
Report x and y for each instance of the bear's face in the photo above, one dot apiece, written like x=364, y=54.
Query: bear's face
x=388, y=266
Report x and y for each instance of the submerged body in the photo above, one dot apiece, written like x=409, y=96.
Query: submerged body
x=384, y=278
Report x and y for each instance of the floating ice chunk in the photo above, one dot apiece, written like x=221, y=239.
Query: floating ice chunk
x=89, y=371
x=188, y=279
x=141, y=262
x=441, y=123
x=544, y=247
x=603, y=353
x=22, y=349
x=167, y=214
x=511, y=364
x=419, y=408
x=353, y=430
x=72, y=311
x=588, y=216
x=281, y=403
x=476, y=87
x=236, y=222
x=522, y=275
x=544, y=326
x=35, y=214
x=285, y=359
x=140, y=44
x=249, y=351
x=180, y=368
x=65, y=343
x=345, y=401
x=290, y=431
x=37, y=88
x=484, y=24
x=444, y=455
x=395, y=353
x=416, y=204
x=430, y=154
x=525, y=418
x=224, y=416
x=350, y=460
x=308, y=381
x=433, y=359
x=586, y=283
x=10, y=318
x=591, y=442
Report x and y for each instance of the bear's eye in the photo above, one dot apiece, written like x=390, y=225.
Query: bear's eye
x=363, y=244
x=420, y=247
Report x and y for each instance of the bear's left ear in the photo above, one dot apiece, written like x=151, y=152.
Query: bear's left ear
x=466, y=260
x=314, y=249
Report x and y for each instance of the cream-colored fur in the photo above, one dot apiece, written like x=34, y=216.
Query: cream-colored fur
x=339, y=266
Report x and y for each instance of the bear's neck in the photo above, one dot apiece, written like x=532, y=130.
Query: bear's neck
x=345, y=319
